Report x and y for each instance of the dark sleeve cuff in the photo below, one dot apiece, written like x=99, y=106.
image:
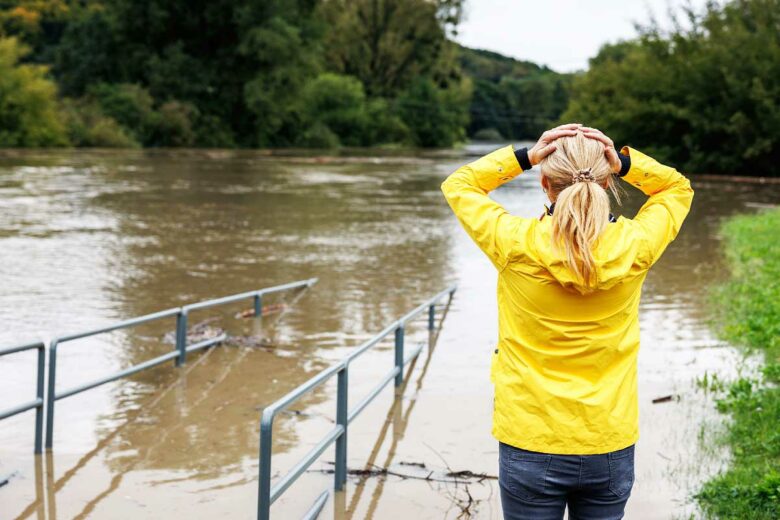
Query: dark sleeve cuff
x=521, y=154
x=625, y=164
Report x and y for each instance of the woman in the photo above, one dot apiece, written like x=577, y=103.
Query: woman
x=565, y=409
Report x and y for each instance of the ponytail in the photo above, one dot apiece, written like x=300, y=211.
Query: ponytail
x=576, y=172
x=581, y=214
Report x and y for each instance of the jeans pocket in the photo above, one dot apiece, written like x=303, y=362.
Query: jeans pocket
x=523, y=475
x=621, y=471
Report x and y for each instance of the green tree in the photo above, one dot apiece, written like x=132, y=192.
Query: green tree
x=28, y=102
x=387, y=43
x=703, y=96
x=339, y=103
x=435, y=117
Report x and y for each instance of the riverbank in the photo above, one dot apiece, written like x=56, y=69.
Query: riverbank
x=748, y=314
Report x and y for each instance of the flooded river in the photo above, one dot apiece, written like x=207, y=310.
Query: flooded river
x=91, y=237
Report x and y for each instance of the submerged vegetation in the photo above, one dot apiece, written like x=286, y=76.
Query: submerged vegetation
x=748, y=310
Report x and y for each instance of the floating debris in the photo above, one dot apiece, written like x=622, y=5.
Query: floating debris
x=267, y=310
x=199, y=332
x=666, y=399
x=250, y=342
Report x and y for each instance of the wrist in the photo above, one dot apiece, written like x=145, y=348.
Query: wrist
x=625, y=164
x=523, y=158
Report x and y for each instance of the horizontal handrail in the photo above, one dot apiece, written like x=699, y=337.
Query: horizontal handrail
x=250, y=294
x=314, y=512
x=37, y=403
x=271, y=411
x=267, y=494
x=10, y=412
x=138, y=368
x=21, y=348
x=179, y=354
x=121, y=324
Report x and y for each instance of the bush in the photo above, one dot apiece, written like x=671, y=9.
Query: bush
x=319, y=135
x=339, y=103
x=28, y=104
x=87, y=125
x=383, y=126
x=174, y=124
x=131, y=106
x=435, y=116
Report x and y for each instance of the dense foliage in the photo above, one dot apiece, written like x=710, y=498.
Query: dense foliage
x=323, y=73
x=254, y=73
x=28, y=112
x=748, y=308
x=703, y=97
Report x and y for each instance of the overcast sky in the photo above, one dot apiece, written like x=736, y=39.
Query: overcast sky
x=561, y=34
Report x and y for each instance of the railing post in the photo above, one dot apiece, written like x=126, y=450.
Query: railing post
x=39, y=395
x=399, y=354
x=258, y=305
x=341, y=419
x=264, y=479
x=432, y=316
x=181, y=336
x=50, y=394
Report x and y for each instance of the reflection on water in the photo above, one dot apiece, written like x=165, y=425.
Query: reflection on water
x=89, y=237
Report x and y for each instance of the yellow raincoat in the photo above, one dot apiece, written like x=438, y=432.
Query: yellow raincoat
x=565, y=369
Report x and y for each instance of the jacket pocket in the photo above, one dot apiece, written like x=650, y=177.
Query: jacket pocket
x=523, y=473
x=621, y=471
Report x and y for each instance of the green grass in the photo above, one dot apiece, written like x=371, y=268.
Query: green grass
x=747, y=308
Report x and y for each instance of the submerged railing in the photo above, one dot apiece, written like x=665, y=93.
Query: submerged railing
x=268, y=494
x=38, y=402
x=179, y=353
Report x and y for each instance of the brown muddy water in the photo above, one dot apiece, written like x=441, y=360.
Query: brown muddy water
x=91, y=237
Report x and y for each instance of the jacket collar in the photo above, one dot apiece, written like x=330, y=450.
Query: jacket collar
x=549, y=211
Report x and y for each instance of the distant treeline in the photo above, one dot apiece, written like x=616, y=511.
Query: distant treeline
x=704, y=96
x=259, y=73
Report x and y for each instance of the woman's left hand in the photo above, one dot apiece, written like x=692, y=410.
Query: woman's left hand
x=545, y=145
x=609, y=147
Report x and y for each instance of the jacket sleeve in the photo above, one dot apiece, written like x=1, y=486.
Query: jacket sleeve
x=661, y=217
x=487, y=222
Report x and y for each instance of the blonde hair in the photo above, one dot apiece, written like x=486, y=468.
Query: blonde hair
x=576, y=172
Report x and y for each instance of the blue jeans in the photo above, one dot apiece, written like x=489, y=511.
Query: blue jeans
x=539, y=486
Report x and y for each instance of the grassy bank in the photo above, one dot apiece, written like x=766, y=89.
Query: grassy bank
x=747, y=308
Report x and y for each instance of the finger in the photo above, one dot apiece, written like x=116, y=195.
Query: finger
x=599, y=137
x=594, y=132
x=568, y=126
x=544, y=152
x=552, y=135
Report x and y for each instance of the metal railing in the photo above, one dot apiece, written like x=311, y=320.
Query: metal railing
x=267, y=494
x=179, y=353
x=38, y=402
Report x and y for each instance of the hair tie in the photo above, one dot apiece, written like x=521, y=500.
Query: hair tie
x=583, y=175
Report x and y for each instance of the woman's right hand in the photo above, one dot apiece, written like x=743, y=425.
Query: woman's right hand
x=545, y=145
